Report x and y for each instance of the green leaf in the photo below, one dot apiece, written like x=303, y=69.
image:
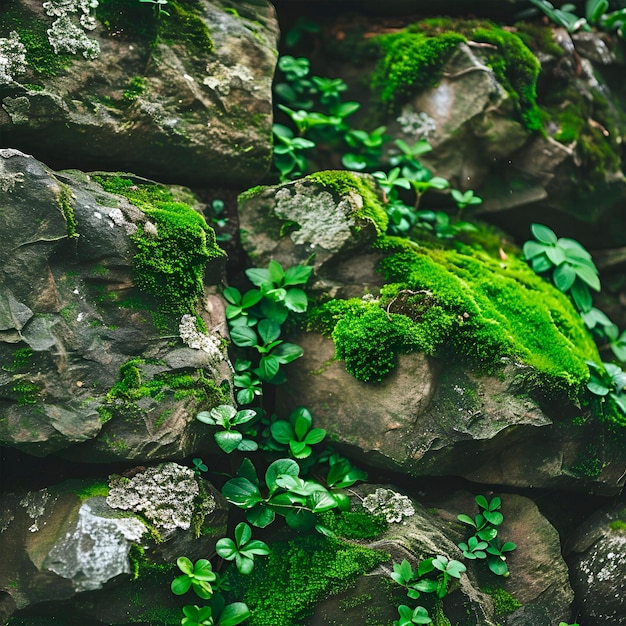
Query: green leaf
x=278, y=468
x=234, y=614
x=205, y=418
x=226, y=548
x=232, y=295
x=228, y=440
x=301, y=519
x=597, y=388
x=269, y=330
x=243, y=336
x=259, y=276
x=296, y=300
x=248, y=445
x=287, y=352
x=322, y=501
x=276, y=273
x=268, y=367
x=299, y=449
x=316, y=435
x=245, y=564
x=556, y=255
x=581, y=295
x=494, y=517
x=250, y=298
x=564, y=277
x=275, y=311
x=543, y=234
x=466, y=519
x=241, y=492
x=184, y=565
x=532, y=249
x=498, y=567
x=297, y=275
x=260, y=516
x=181, y=585
x=282, y=431
x=541, y=264
x=589, y=277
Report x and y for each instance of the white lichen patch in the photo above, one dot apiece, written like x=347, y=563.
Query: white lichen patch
x=12, y=57
x=96, y=550
x=118, y=219
x=67, y=33
x=222, y=79
x=418, y=125
x=165, y=495
x=211, y=344
x=9, y=180
x=322, y=222
x=35, y=503
x=393, y=505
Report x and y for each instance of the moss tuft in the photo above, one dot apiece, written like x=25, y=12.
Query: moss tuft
x=284, y=588
x=169, y=265
x=354, y=524
x=503, y=602
x=65, y=202
x=463, y=302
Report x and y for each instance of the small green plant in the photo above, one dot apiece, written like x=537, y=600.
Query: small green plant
x=199, y=466
x=609, y=381
x=485, y=543
x=418, y=615
x=243, y=549
x=227, y=417
x=301, y=26
x=197, y=576
x=571, y=266
x=297, y=433
x=216, y=219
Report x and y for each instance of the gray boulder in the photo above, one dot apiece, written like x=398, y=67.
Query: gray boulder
x=92, y=366
x=183, y=98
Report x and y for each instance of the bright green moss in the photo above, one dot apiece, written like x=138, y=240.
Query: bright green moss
x=136, y=87
x=503, y=602
x=19, y=360
x=463, y=302
x=284, y=588
x=65, y=201
x=618, y=525
x=413, y=60
x=354, y=524
x=26, y=393
x=169, y=265
x=185, y=25
x=345, y=182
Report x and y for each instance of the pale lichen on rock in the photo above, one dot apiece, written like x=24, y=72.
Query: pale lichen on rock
x=165, y=495
x=393, y=505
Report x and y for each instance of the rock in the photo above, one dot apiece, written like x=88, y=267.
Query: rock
x=184, y=98
x=596, y=555
x=72, y=538
x=92, y=366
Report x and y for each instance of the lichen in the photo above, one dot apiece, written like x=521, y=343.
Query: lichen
x=165, y=495
x=393, y=506
x=284, y=588
x=12, y=57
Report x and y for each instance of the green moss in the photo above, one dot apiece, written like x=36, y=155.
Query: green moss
x=587, y=463
x=170, y=265
x=251, y=193
x=284, y=587
x=355, y=601
x=345, y=182
x=464, y=302
x=618, y=525
x=19, y=360
x=354, y=524
x=410, y=62
x=65, y=202
x=186, y=25
x=539, y=38
x=26, y=393
x=40, y=56
x=94, y=490
x=503, y=602
x=438, y=616
x=413, y=60
x=136, y=87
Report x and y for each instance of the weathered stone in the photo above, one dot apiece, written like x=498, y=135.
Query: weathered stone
x=186, y=98
x=596, y=554
x=66, y=541
x=71, y=317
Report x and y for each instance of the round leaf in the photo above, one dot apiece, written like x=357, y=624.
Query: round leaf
x=543, y=234
x=226, y=548
x=181, y=585
x=228, y=440
x=233, y=614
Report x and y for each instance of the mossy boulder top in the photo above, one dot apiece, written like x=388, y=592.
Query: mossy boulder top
x=183, y=97
x=108, y=338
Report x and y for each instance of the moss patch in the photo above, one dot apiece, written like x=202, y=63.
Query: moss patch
x=284, y=588
x=354, y=524
x=413, y=60
x=461, y=302
x=503, y=602
x=170, y=263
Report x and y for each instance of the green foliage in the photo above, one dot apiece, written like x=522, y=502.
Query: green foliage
x=485, y=543
x=197, y=576
x=608, y=381
x=419, y=615
x=243, y=549
x=227, y=417
x=199, y=466
x=170, y=264
x=283, y=589
x=297, y=433
x=216, y=219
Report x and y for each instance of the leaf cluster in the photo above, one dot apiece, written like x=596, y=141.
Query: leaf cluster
x=485, y=543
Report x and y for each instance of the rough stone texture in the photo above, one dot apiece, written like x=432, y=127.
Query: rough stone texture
x=197, y=116
x=70, y=317
x=303, y=222
x=428, y=417
x=62, y=542
x=596, y=554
